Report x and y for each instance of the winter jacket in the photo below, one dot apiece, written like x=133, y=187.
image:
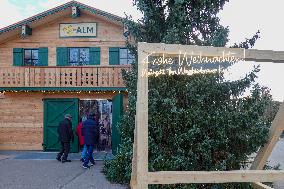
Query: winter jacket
x=90, y=132
x=79, y=133
x=64, y=130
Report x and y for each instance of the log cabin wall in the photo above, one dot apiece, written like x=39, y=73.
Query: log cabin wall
x=21, y=117
x=21, y=125
x=108, y=35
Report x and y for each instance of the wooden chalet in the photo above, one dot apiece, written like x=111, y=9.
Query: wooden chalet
x=51, y=62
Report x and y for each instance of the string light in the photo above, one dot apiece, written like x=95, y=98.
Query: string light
x=64, y=92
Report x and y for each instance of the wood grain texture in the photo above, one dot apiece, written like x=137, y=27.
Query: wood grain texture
x=258, y=185
x=172, y=177
x=247, y=54
x=109, y=34
x=21, y=117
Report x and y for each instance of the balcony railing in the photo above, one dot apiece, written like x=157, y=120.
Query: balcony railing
x=98, y=76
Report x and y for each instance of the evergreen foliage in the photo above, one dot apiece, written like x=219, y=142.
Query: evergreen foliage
x=197, y=122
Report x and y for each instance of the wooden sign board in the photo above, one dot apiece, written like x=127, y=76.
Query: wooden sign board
x=78, y=30
x=141, y=177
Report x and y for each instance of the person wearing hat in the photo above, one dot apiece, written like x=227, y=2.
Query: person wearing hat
x=65, y=136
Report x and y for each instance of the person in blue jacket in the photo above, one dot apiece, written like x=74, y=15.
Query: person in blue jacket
x=90, y=132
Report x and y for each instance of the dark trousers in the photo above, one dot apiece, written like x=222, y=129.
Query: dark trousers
x=89, y=157
x=65, y=148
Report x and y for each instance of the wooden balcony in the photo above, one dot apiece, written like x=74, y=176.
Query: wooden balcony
x=95, y=76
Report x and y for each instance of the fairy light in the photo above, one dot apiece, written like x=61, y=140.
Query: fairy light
x=65, y=92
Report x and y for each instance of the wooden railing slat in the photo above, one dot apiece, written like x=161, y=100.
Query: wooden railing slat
x=105, y=76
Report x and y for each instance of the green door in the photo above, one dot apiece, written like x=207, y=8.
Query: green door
x=54, y=111
x=117, y=111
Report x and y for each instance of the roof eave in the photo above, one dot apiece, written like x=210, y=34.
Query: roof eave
x=58, y=9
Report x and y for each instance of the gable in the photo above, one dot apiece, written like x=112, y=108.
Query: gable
x=55, y=14
x=109, y=34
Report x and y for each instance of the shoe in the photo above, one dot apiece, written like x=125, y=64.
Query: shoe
x=92, y=163
x=58, y=159
x=86, y=167
x=67, y=160
x=82, y=160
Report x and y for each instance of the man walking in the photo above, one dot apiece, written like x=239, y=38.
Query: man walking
x=90, y=132
x=65, y=134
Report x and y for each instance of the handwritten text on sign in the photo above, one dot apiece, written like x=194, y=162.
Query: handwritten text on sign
x=188, y=63
x=78, y=30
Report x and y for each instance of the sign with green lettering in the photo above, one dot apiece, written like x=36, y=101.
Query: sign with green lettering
x=78, y=30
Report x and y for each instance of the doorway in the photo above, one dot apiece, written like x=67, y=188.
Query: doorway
x=103, y=111
x=56, y=108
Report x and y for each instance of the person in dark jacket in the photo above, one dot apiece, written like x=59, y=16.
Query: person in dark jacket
x=90, y=132
x=65, y=136
x=81, y=140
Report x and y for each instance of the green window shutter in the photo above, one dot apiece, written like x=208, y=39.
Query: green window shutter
x=114, y=56
x=95, y=55
x=62, y=56
x=43, y=56
x=18, y=56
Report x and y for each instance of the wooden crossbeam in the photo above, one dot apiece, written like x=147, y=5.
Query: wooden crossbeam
x=247, y=54
x=173, y=177
x=258, y=185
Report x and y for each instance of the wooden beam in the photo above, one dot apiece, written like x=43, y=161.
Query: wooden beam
x=26, y=30
x=247, y=54
x=175, y=177
x=258, y=185
x=75, y=12
x=133, y=181
x=274, y=134
x=142, y=121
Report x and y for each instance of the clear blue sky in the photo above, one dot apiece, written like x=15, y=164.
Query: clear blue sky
x=244, y=18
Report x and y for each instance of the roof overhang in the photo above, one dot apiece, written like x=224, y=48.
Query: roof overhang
x=53, y=14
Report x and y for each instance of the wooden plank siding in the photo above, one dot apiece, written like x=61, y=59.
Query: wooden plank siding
x=21, y=117
x=21, y=125
x=109, y=34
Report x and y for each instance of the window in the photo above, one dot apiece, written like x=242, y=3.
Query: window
x=125, y=56
x=30, y=57
x=79, y=56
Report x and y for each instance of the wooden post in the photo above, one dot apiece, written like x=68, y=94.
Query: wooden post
x=276, y=129
x=142, y=121
x=133, y=181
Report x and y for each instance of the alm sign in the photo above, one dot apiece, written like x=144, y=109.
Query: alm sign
x=78, y=30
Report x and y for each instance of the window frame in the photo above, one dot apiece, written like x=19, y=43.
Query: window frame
x=24, y=57
x=127, y=56
x=69, y=63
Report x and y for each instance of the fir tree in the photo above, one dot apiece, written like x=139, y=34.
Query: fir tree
x=198, y=122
